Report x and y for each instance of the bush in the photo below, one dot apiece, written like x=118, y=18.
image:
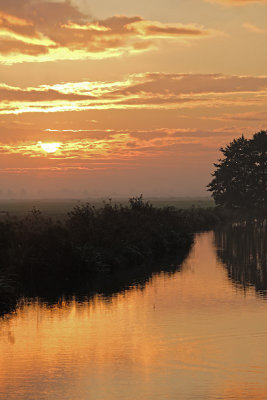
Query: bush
x=40, y=254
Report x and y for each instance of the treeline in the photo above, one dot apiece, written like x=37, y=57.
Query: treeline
x=39, y=254
x=239, y=180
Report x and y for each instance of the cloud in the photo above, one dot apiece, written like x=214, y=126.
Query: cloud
x=178, y=84
x=138, y=91
x=118, y=144
x=156, y=29
x=15, y=25
x=13, y=47
x=9, y=93
x=45, y=31
x=251, y=116
x=86, y=150
x=41, y=12
x=254, y=29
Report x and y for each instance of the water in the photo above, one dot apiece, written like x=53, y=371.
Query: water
x=199, y=333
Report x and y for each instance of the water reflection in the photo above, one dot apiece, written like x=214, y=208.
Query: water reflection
x=243, y=251
x=186, y=335
x=108, y=286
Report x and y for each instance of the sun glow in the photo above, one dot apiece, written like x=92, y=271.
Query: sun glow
x=50, y=147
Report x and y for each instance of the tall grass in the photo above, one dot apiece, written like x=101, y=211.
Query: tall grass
x=39, y=254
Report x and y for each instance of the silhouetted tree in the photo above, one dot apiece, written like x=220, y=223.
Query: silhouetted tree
x=240, y=178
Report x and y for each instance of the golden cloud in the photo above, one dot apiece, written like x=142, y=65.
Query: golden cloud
x=47, y=31
x=150, y=90
x=118, y=144
x=254, y=29
x=11, y=23
x=158, y=30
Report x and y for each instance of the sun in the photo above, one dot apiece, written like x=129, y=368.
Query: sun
x=50, y=147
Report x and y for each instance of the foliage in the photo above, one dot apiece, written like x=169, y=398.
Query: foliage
x=39, y=255
x=240, y=178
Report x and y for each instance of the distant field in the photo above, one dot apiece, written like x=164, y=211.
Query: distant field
x=59, y=208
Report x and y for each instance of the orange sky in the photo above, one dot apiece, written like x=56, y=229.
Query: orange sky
x=112, y=97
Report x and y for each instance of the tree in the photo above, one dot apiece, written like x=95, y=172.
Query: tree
x=240, y=178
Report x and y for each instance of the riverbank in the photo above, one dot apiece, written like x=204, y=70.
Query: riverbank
x=41, y=255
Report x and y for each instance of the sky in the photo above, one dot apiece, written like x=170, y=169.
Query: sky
x=118, y=97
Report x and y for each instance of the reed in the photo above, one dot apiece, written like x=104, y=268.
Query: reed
x=41, y=254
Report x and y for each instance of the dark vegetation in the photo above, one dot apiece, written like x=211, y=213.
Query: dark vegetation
x=239, y=186
x=240, y=178
x=94, y=245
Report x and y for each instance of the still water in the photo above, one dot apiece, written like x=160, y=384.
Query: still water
x=198, y=333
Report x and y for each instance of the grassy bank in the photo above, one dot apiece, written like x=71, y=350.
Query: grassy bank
x=93, y=244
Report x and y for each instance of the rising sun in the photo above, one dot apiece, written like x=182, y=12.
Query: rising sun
x=50, y=147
